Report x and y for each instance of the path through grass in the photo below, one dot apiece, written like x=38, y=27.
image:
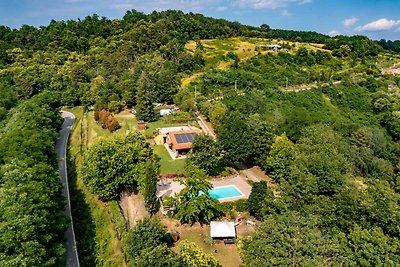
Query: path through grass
x=98, y=240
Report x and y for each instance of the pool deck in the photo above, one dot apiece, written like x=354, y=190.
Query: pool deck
x=170, y=188
x=238, y=181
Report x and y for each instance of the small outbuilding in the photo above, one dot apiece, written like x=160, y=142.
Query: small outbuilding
x=142, y=125
x=166, y=112
x=223, y=231
x=274, y=47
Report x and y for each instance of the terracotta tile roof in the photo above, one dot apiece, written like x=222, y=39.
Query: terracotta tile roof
x=179, y=145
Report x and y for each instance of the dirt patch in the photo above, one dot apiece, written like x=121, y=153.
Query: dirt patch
x=256, y=175
x=246, y=50
x=186, y=81
x=133, y=209
x=223, y=65
x=125, y=114
x=191, y=46
x=208, y=43
x=395, y=69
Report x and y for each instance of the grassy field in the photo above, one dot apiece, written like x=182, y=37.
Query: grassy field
x=167, y=164
x=227, y=255
x=98, y=239
x=215, y=52
x=127, y=121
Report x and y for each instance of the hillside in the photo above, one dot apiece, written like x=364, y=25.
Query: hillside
x=318, y=118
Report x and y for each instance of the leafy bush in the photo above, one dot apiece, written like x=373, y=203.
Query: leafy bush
x=192, y=206
x=178, y=117
x=193, y=256
x=241, y=205
x=228, y=171
x=114, y=106
x=146, y=236
x=258, y=196
x=118, y=163
x=107, y=120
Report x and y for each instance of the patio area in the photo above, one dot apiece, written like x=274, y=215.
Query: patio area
x=174, y=155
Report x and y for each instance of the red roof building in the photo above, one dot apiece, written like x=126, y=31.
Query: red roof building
x=181, y=141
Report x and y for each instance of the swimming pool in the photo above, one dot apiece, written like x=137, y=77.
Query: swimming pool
x=225, y=192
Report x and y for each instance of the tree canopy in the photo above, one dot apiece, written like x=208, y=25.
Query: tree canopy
x=120, y=163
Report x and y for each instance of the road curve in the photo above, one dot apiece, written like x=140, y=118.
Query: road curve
x=71, y=255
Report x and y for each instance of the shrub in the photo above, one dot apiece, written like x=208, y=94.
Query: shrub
x=147, y=234
x=107, y=120
x=241, y=205
x=193, y=256
x=258, y=197
x=179, y=117
x=228, y=171
x=114, y=106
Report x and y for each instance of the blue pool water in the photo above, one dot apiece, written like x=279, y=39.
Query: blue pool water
x=224, y=192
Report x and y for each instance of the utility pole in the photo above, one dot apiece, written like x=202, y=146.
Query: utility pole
x=287, y=80
x=195, y=91
x=235, y=86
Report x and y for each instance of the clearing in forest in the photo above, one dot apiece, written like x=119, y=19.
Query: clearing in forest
x=227, y=255
x=215, y=51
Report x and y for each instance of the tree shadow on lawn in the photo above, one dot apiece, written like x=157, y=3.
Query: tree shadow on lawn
x=82, y=218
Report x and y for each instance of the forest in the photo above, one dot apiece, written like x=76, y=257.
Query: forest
x=319, y=118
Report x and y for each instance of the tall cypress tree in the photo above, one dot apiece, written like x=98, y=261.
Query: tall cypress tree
x=144, y=99
x=150, y=187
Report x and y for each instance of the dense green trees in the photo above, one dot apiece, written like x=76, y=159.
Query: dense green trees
x=146, y=245
x=31, y=201
x=73, y=56
x=31, y=221
x=234, y=137
x=207, y=155
x=371, y=248
x=144, y=104
x=260, y=199
x=279, y=158
x=390, y=45
x=121, y=163
x=333, y=152
x=193, y=203
x=291, y=239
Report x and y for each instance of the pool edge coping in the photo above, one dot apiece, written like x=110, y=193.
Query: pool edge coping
x=227, y=198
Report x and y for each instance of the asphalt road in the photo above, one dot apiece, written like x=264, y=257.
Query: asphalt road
x=71, y=255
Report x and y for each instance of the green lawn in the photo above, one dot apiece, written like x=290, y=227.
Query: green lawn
x=167, y=164
x=127, y=123
x=152, y=126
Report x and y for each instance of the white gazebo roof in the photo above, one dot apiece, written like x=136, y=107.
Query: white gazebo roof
x=222, y=229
